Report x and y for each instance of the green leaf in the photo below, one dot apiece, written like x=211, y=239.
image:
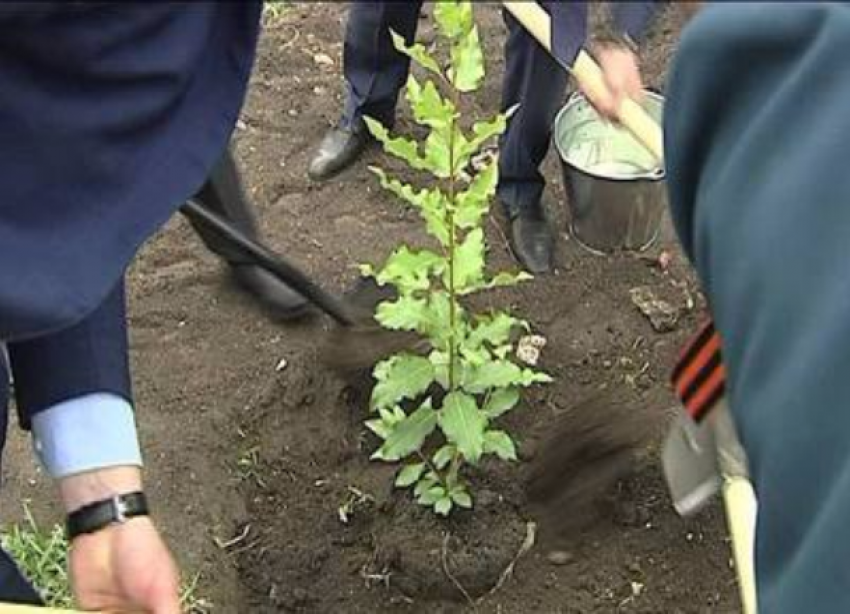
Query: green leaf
x=485, y=130
x=494, y=330
x=405, y=377
x=425, y=484
x=461, y=498
x=530, y=377
x=500, y=280
x=379, y=427
x=453, y=18
x=416, y=52
x=410, y=270
x=432, y=495
x=482, y=132
x=463, y=425
x=469, y=261
x=494, y=374
x=474, y=202
x=500, y=402
x=408, y=435
x=438, y=154
x=474, y=356
x=443, y=506
x=428, y=106
x=435, y=324
x=410, y=475
x=500, y=444
x=400, y=147
x=406, y=313
x=443, y=456
x=467, y=69
x=430, y=204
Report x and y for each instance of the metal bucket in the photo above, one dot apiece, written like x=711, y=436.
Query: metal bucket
x=614, y=185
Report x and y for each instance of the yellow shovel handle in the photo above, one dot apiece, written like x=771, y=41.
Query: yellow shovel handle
x=589, y=75
x=740, y=502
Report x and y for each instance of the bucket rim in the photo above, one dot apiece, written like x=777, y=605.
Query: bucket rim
x=656, y=174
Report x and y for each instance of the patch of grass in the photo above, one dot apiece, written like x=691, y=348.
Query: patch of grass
x=248, y=466
x=42, y=555
x=274, y=11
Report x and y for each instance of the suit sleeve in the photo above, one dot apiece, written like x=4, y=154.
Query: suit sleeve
x=90, y=357
x=569, y=29
x=634, y=18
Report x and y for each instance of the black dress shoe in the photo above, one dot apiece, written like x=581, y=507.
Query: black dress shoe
x=532, y=243
x=338, y=150
x=280, y=300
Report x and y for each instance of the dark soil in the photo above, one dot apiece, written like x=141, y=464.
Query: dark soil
x=257, y=455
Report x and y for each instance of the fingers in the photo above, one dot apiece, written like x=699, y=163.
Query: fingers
x=621, y=74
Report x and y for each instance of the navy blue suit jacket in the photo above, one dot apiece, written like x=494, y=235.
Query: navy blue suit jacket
x=111, y=116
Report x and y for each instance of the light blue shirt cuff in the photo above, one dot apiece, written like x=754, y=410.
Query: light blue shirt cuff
x=90, y=432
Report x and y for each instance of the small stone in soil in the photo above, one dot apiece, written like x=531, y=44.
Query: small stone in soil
x=661, y=315
x=560, y=557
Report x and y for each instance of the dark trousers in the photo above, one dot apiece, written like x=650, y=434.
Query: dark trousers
x=13, y=587
x=375, y=73
x=224, y=195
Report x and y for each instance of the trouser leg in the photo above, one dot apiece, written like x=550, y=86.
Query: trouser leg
x=374, y=71
x=535, y=81
x=224, y=195
x=13, y=587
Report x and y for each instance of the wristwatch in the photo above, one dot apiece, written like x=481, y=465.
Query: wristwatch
x=101, y=514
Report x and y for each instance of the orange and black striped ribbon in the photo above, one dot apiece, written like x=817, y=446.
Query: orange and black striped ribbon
x=699, y=378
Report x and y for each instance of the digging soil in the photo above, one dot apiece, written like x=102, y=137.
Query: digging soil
x=257, y=455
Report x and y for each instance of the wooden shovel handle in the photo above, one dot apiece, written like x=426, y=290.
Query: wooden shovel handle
x=740, y=503
x=589, y=75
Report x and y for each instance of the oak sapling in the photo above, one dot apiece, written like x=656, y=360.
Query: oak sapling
x=440, y=411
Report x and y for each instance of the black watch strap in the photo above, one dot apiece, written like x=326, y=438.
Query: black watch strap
x=101, y=514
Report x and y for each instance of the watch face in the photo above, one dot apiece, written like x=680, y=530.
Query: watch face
x=690, y=465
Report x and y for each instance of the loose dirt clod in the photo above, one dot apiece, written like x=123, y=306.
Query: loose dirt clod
x=583, y=454
x=354, y=350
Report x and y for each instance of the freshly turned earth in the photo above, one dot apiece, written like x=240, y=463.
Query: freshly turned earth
x=251, y=457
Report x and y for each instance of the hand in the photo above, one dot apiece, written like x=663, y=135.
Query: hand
x=123, y=568
x=621, y=72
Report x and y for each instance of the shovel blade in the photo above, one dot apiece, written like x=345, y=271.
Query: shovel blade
x=691, y=465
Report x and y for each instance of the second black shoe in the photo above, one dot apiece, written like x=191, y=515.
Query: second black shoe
x=532, y=243
x=338, y=150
